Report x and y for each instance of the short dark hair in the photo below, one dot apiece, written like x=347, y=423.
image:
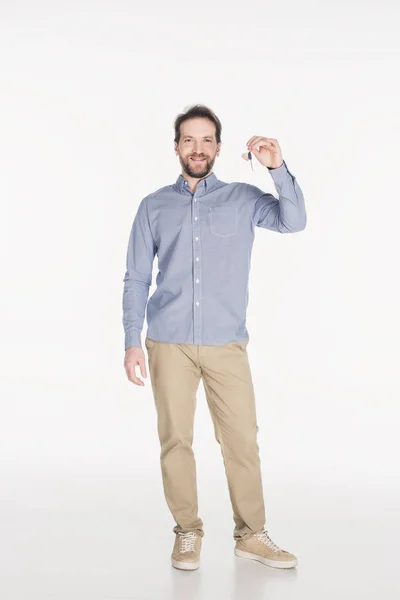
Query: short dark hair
x=194, y=112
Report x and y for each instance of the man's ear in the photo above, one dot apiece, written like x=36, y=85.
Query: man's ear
x=176, y=147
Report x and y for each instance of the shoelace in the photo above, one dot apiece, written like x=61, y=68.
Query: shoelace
x=187, y=541
x=265, y=539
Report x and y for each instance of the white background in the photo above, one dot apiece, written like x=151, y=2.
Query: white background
x=89, y=93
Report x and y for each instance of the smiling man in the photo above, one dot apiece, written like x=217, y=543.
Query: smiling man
x=202, y=231
x=197, y=149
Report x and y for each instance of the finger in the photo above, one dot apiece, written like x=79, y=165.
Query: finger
x=254, y=150
x=272, y=142
x=252, y=140
x=136, y=380
x=259, y=141
x=131, y=372
x=142, y=365
x=263, y=142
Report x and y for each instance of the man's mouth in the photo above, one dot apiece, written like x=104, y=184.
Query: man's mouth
x=197, y=159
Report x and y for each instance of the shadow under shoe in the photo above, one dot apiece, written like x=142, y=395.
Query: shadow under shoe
x=186, y=552
x=260, y=547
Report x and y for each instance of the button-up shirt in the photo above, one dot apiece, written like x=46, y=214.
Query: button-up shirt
x=203, y=241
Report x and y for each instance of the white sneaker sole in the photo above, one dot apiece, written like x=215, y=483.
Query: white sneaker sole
x=278, y=564
x=185, y=566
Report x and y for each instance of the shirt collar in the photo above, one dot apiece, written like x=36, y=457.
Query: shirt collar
x=203, y=187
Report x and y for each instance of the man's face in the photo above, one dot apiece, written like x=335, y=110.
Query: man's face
x=197, y=148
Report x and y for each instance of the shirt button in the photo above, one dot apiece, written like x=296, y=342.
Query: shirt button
x=196, y=238
x=195, y=218
x=195, y=199
x=197, y=303
x=197, y=258
x=197, y=280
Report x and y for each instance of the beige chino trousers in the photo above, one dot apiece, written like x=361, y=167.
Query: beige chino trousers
x=175, y=372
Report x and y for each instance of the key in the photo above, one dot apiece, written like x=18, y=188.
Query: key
x=248, y=156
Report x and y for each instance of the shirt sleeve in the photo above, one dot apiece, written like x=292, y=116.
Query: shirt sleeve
x=286, y=214
x=137, y=281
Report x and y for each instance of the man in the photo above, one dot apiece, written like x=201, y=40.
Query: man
x=202, y=230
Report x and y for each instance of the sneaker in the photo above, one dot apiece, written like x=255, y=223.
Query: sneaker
x=260, y=547
x=186, y=552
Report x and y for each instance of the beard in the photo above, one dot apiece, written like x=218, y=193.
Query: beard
x=197, y=170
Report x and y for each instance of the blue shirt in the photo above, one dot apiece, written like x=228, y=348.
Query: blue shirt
x=203, y=241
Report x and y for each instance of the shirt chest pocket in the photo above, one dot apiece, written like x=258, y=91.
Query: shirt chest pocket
x=223, y=220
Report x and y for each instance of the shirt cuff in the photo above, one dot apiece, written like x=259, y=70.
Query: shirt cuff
x=279, y=174
x=133, y=338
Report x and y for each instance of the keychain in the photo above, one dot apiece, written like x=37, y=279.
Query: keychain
x=248, y=156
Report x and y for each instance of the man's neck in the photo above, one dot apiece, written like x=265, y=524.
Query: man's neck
x=194, y=181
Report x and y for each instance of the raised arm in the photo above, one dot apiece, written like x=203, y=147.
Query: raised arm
x=286, y=214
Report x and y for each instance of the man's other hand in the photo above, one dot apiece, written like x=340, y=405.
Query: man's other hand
x=135, y=356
